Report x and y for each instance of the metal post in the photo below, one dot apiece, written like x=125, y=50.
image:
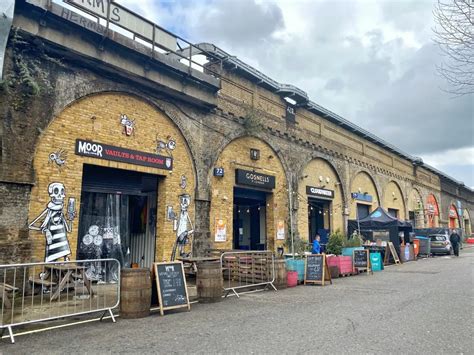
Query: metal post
x=290, y=203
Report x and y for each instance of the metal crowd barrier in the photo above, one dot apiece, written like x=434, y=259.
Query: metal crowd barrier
x=37, y=292
x=246, y=269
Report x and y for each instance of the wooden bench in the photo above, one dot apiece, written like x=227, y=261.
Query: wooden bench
x=6, y=292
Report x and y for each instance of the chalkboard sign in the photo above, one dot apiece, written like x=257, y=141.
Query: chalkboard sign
x=360, y=260
x=171, y=285
x=316, y=269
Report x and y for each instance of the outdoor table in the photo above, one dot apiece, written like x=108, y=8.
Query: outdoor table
x=67, y=274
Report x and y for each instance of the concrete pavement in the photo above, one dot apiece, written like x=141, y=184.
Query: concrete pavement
x=419, y=307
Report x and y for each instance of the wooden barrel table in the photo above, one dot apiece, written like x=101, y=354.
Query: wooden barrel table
x=209, y=281
x=280, y=274
x=135, y=293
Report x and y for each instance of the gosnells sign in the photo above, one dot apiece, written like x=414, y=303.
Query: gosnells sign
x=251, y=178
x=124, y=155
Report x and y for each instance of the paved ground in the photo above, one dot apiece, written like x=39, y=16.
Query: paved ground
x=420, y=307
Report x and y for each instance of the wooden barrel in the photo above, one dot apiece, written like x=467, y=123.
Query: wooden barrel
x=209, y=281
x=280, y=274
x=135, y=293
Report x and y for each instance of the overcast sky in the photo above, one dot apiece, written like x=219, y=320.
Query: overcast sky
x=372, y=62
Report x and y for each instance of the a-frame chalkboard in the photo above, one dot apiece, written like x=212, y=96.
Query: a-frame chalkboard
x=361, y=260
x=171, y=286
x=316, y=270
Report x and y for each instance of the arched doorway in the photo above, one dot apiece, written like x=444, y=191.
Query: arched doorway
x=467, y=223
x=415, y=209
x=249, y=202
x=432, y=211
x=321, y=203
x=364, y=196
x=118, y=170
x=453, y=217
x=393, y=200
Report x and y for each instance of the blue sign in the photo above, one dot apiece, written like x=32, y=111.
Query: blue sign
x=219, y=172
x=361, y=197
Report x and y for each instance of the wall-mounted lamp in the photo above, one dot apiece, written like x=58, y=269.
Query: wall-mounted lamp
x=359, y=189
x=321, y=178
x=327, y=180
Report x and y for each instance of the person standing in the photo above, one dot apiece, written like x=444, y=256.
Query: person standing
x=455, y=239
x=316, y=246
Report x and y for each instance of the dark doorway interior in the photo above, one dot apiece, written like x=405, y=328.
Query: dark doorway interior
x=117, y=218
x=249, y=222
x=319, y=219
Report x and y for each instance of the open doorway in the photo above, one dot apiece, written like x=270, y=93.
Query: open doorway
x=249, y=219
x=319, y=220
x=117, y=219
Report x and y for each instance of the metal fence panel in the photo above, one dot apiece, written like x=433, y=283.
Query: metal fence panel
x=37, y=292
x=246, y=269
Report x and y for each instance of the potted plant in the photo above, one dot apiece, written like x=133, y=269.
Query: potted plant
x=334, y=249
x=351, y=244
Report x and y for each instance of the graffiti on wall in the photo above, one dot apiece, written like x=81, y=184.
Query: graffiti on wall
x=58, y=158
x=54, y=225
x=167, y=145
x=127, y=124
x=184, y=229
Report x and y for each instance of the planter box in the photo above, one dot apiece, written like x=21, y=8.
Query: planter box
x=343, y=263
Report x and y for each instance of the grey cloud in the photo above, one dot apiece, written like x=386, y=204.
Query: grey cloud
x=335, y=84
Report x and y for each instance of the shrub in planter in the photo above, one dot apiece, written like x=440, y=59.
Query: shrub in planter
x=335, y=243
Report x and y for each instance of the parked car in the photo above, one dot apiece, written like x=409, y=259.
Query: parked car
x=440, y=244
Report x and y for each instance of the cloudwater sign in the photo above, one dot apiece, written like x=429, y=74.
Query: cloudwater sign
x=124, y=155
x=251, y=178
x=319, y=192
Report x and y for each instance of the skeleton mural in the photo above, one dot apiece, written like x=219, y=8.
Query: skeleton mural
x=167, y=146
x=181, y=226
x=54, y=225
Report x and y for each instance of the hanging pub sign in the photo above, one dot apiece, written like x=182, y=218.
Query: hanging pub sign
x=290, y=113
x=124, y=155
x=361, y=197
x=251, y=178
x=319, y=192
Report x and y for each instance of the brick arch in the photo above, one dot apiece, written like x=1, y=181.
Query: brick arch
x=236, y=155
x=452, y=203
x=237, y=134
x=308, y=175
x=339, y=176
x=419, y=210
x=387, y=197
x=84, y=93
x=374, y=182
x=74, y=122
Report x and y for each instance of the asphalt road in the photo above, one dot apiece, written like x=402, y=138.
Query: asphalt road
x=423, y=307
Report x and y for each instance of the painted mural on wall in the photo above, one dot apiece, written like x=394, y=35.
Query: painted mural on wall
x=54, y=225
x=58, y=158
x=184, y=229
x=167, y=145
x=127, y=124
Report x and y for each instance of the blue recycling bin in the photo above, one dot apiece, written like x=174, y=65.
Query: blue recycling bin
x=376, y=261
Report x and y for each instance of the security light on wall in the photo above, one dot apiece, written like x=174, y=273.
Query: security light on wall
x=360, y=190
x=321, y=178
x=327, y=180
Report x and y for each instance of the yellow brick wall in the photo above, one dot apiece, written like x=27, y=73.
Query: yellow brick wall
x=415, y=204
x=97, y=118
x=316, y=168
x=363, y=181
x=236, y=155
x=393, y=198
